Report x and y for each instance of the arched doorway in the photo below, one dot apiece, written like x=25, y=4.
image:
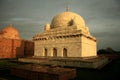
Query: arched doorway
x=64, y=52
x=54, y=52
x=45, y=52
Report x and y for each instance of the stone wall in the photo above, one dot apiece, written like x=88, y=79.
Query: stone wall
x=89, y=47
x=76, y=46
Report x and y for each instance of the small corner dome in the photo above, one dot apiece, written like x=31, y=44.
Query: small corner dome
x=9, y=32
x=47, y=27
x=64, y=20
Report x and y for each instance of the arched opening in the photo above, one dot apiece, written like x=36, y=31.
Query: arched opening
x=45, y=52
x=64, y=52
x=54, y=52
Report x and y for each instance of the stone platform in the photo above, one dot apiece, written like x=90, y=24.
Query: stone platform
x=37, y=72
x=93, y=62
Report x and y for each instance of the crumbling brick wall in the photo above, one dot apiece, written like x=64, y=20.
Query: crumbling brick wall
x=14, y=48
x=11, y=48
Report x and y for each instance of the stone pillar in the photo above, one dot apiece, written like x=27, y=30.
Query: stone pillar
x=50, y=51
x=60, y=52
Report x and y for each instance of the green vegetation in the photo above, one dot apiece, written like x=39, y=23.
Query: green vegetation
x=6, y=63
x=108, y=50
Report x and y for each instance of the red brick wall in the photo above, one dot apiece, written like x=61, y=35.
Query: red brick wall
x=13, y=48
x=5, y=48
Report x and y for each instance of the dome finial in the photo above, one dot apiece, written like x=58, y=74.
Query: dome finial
x=67, y=8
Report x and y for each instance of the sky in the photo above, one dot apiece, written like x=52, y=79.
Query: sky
x=29, y=17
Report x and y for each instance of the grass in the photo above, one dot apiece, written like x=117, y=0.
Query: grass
x=5, y=63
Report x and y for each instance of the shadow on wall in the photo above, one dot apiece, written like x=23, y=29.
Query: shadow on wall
x=17, y=48
x=24, y=48
x=20, y=49
x=28, y=48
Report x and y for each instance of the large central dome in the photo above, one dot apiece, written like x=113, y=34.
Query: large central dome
x=66, y=19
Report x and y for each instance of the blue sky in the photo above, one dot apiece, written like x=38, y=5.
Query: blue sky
x=29, y=17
